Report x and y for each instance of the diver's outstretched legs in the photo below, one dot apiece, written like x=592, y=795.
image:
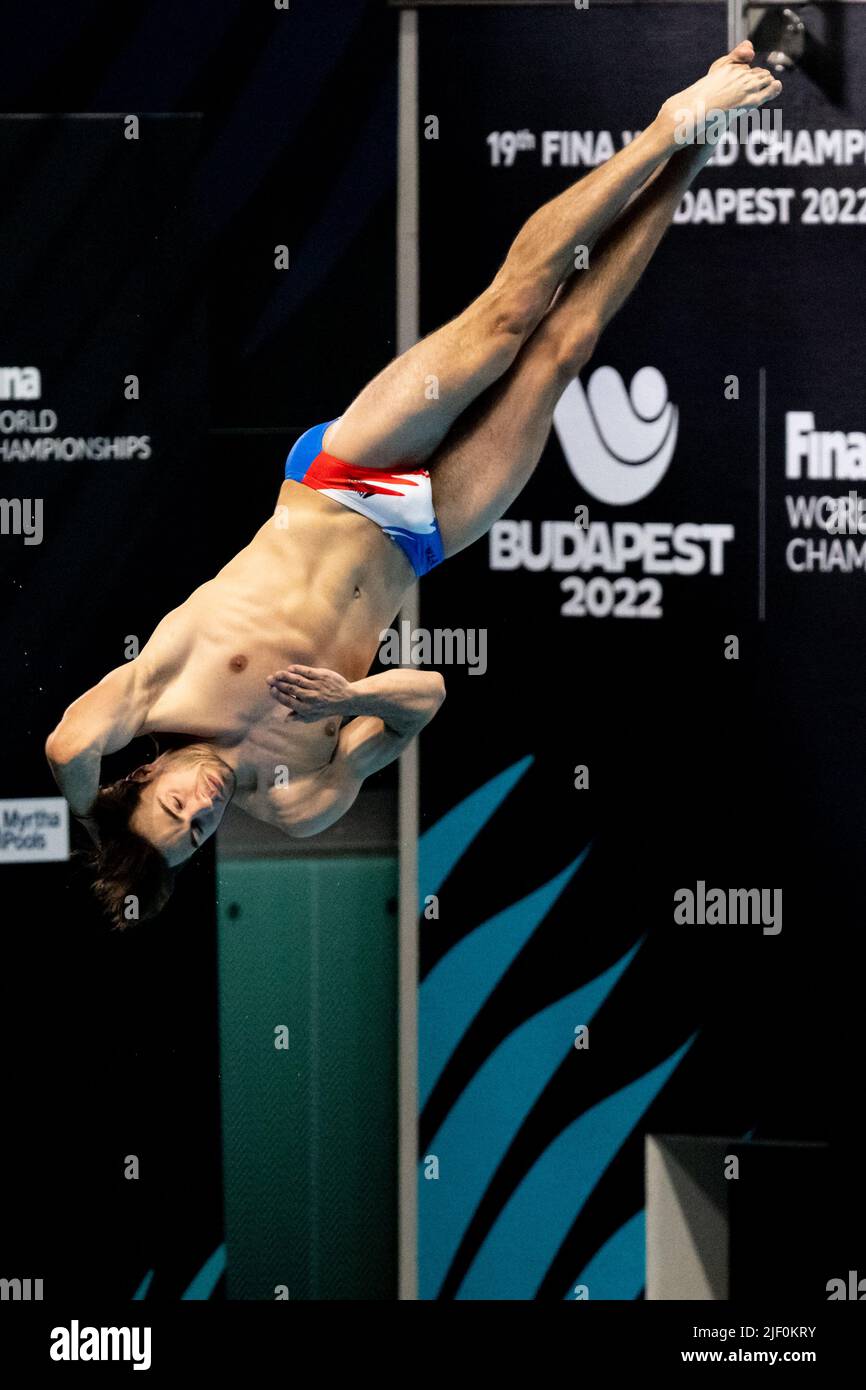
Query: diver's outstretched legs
x=493, y=450
x=402, y=417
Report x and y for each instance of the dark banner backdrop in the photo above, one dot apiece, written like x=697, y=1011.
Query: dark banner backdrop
x=156, y=258
x=555, y=903
x=102, y=280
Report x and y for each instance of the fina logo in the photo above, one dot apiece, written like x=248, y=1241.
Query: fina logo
x=617, y=442
x=20, y=384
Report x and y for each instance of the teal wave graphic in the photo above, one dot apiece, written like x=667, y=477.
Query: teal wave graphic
x=473, y=1139
x=440, y=847
x=201, y=1286
x=208, y=1276
x=520, y=1247
x=461, y=981
x=141, y=1291
x=618, y=1269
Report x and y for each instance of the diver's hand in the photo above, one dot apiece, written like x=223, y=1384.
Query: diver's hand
x=311, y=692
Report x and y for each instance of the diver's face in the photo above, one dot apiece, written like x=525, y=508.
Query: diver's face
x=183, y=799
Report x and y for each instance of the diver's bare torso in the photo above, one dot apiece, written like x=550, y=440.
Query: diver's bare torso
x=316, y=585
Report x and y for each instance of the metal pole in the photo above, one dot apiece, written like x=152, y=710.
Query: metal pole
x=738, y=24
x=407, y=334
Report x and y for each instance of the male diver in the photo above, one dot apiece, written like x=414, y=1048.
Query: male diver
x=262, y=671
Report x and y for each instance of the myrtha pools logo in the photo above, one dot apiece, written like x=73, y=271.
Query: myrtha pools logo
x=617, y=442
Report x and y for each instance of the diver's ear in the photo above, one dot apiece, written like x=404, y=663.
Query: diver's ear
x=141, y=774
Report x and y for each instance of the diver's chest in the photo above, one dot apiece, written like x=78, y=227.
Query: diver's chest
x=222, y=693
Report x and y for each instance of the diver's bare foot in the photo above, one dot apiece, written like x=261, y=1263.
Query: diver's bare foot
x=730, y=85
x=743, y=53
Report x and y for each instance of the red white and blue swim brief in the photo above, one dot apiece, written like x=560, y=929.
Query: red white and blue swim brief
x=400, y=503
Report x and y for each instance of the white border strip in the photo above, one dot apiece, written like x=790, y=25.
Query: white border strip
x=407, y=334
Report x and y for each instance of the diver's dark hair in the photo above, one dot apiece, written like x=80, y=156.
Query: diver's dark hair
x=126, y=864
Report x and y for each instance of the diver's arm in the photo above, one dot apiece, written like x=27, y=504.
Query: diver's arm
x=102, y=720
